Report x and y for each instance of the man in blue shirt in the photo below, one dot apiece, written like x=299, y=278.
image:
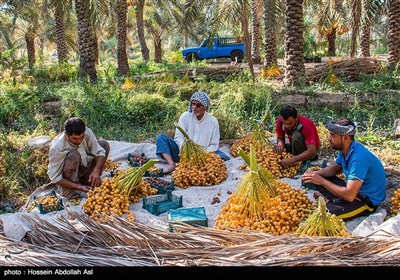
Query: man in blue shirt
x=365, y=185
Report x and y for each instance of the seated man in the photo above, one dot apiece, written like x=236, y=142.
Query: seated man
x=201, y=127
x=365, y=188
x=77, y=158
x=302, y=134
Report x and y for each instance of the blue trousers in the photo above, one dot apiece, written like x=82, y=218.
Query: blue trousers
x=167, y=145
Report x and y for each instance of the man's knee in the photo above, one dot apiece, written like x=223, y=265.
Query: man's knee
x=105, y=145
x=297, y=136
x=161, y=138
x=73, y=157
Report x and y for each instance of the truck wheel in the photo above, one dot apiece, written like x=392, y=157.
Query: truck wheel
x=237, y=56
x=191, y=56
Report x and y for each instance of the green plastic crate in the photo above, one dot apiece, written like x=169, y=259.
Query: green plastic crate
x=44, y=209
x=160, y=203
x=193, y=216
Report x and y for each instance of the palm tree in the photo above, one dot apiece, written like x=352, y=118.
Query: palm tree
x=294, y=43
x=86, y=42
x=122, y=57
x=256, y=32
x=140, y=29
x=271, y=12
x=158, y=22
x=329, y=16
x=355, y=15
x=28, y=14
x=60, y=10
x=394, y=34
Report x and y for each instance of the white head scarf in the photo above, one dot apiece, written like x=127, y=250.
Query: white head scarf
x=202, y=97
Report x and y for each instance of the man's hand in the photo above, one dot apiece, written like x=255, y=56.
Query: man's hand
x=280, y=147
x=84, y=188
x=286, y=162
x=94, y=180
x=312, y=177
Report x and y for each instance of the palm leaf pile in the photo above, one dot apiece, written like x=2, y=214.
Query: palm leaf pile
x=350, y=69
x=119, y=242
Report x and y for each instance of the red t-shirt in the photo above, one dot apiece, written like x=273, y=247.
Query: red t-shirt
x=309, y=131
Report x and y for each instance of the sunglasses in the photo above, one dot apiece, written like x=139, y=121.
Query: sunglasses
x=197, y=105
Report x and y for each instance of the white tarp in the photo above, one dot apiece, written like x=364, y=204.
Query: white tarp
x=194, y=196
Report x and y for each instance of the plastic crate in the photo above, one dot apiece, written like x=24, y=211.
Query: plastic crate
x=160, y=203
x=192, y=216
x=159, y=173
x=44, y=209
x=160, y=184
x=135, y=163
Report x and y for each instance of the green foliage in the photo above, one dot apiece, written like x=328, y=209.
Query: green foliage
x=54, y=73
x=11, y=66
x=384, y=80
x=230, y=128
x=242, y=101
x=173, y=57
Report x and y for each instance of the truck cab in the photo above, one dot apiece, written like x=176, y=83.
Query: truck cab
x=216, y=47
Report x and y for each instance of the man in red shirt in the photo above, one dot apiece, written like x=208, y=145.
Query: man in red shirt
x=302, y=136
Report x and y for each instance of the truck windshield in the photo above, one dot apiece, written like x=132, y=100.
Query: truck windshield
x=209, y=42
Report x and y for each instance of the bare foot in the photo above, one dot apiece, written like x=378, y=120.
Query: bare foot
x=318, y=194
x=169, y=170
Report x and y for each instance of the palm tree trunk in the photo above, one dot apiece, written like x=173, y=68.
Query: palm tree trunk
x=86, y=42
x=394, y=34
x=270, y=33
x=140, y=30
x=365, y=30
x=122, y=57
x=157, y=49
x=294, y=43
x=62, y=50
x=256, y=34
x=30, y=47
x=355, y=25
x=332, y=43
x=246, y=37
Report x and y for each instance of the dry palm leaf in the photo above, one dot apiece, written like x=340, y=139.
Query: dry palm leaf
x=350, y=69
x=119, y=242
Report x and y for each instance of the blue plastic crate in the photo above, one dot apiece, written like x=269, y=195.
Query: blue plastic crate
x=193, y=216
x=160, y=203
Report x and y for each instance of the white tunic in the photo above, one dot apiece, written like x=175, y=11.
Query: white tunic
x=204, y=132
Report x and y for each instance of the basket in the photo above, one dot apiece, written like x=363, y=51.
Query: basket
x=160, y=203
x=160, y=184
x=192, y=216
x=44, y=208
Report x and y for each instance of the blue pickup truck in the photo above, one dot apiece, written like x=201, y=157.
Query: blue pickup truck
x=216, y=47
